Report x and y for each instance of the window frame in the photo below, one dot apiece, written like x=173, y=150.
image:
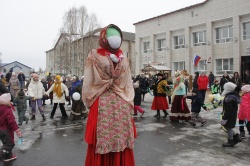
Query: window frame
x=230, y=66
x=161, y=44
x=178, y=65
x=219, y=34
x=245, y=36
x=145, y=49
x=177, y=44
x=199, y=42
x=198, y=68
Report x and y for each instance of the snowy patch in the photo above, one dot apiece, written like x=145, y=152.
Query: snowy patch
x=149, y=127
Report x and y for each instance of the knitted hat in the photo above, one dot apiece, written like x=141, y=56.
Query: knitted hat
x=21, y=93
x=195, y=91
x=58, y=78
x=228, y=87
x=246, y=88
x=13, y=73
x=136, y=84
x=34, y=75
x=5, y=99
x=216, y=81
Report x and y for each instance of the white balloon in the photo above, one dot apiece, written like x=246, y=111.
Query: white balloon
x=76, y=96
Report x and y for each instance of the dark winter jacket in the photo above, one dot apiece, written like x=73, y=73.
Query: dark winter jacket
x=8, y=76
x=7, y=120
x=230, y=108
x=3, y=89
x=197, y=103
x=137, y=98
x=21, y=102
x=144, y=84
x=45, y=85
x=224, y=80
x=195, y=84
x=21, y=77
x=76, y=87
x=238, y=82
x=211, y=78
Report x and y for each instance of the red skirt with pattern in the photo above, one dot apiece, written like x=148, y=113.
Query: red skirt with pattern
x=160, y=103
x=179, y=109
x=123, y=158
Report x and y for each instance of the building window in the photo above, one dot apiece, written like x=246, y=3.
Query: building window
x=146, y=47
x=199, y=38
x=224, y=65
x=161, y=44
x=202, y=66
x=246, y=31
x=224, y=34
x=179, y=42
x=178, y=66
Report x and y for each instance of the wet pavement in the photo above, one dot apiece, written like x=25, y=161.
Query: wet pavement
x=59, y=142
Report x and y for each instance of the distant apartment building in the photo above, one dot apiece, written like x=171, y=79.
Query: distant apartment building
x=218, y=31
x=70, y=52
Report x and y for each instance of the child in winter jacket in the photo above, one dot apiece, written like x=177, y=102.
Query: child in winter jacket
x=137, y=100
x=244, y=111
x=21, y=102
x=229, y=114
x=196, y=104
x=215, y=87
x=7, y=127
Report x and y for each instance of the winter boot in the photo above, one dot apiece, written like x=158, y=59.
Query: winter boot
x=229, y=143
x=43, y=118
x=157, y=114
x=242, y=135
x=27, y=120
x=237, y=139
x=33, y=117
x=165, y=113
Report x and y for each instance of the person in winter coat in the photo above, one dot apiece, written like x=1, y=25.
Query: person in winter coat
x=237, y=80
x=210, y=79
x=21, y=103
x=179, y=109
x=160, y=100
x=202, y=84
x=137, y=100
x=36, y=91
x=195, y=83
x=196, y=104
x=229, y=114
x=225, y=78
x=78, y=108
x=215, y=88
x=244, y=111
x=7, y=128
x=247, y=79
x=58, y=89
x=21, y=79
x=143, y=83
x=68, y=83
x=44, y=82
x=8, y=76
x=14, y=85
x=169, y=82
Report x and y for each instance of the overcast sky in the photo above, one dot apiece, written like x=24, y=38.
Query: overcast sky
x=28, y=28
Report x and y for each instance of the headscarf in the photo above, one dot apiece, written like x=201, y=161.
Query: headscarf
x=57, y=86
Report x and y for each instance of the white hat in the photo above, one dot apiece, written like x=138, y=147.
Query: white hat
x=228, y=87
x=246, y=88
x=5, y=99
x=13, y=73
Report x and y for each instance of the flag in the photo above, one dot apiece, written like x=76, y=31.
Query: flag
x=196, y=60
x=208, y=60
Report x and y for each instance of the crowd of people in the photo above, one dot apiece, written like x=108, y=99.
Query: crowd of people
x=112, y=99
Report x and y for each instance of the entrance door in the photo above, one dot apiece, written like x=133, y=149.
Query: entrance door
x=245, y=65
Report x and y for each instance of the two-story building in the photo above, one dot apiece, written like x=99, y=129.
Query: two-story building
x=218, y=31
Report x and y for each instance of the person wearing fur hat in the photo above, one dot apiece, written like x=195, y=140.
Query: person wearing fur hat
x=7, y=128
x=229, y=114
x=196, y=104
x=36, y=91
x=244, y=111
x=108, y=92
x=179, y=109
x=58, y=89
x=21, y=103
x=137, y=99
x=160, y=101
x=78, y=108
x=237, y=80
x=224, y=79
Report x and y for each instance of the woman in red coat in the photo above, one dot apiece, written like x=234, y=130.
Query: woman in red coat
x=202, y=84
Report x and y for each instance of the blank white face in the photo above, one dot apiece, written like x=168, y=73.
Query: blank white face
x=114, y=42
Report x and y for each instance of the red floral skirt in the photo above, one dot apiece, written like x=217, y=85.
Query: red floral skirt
x=179, y=109
x=123, y=158
x=159, y=103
